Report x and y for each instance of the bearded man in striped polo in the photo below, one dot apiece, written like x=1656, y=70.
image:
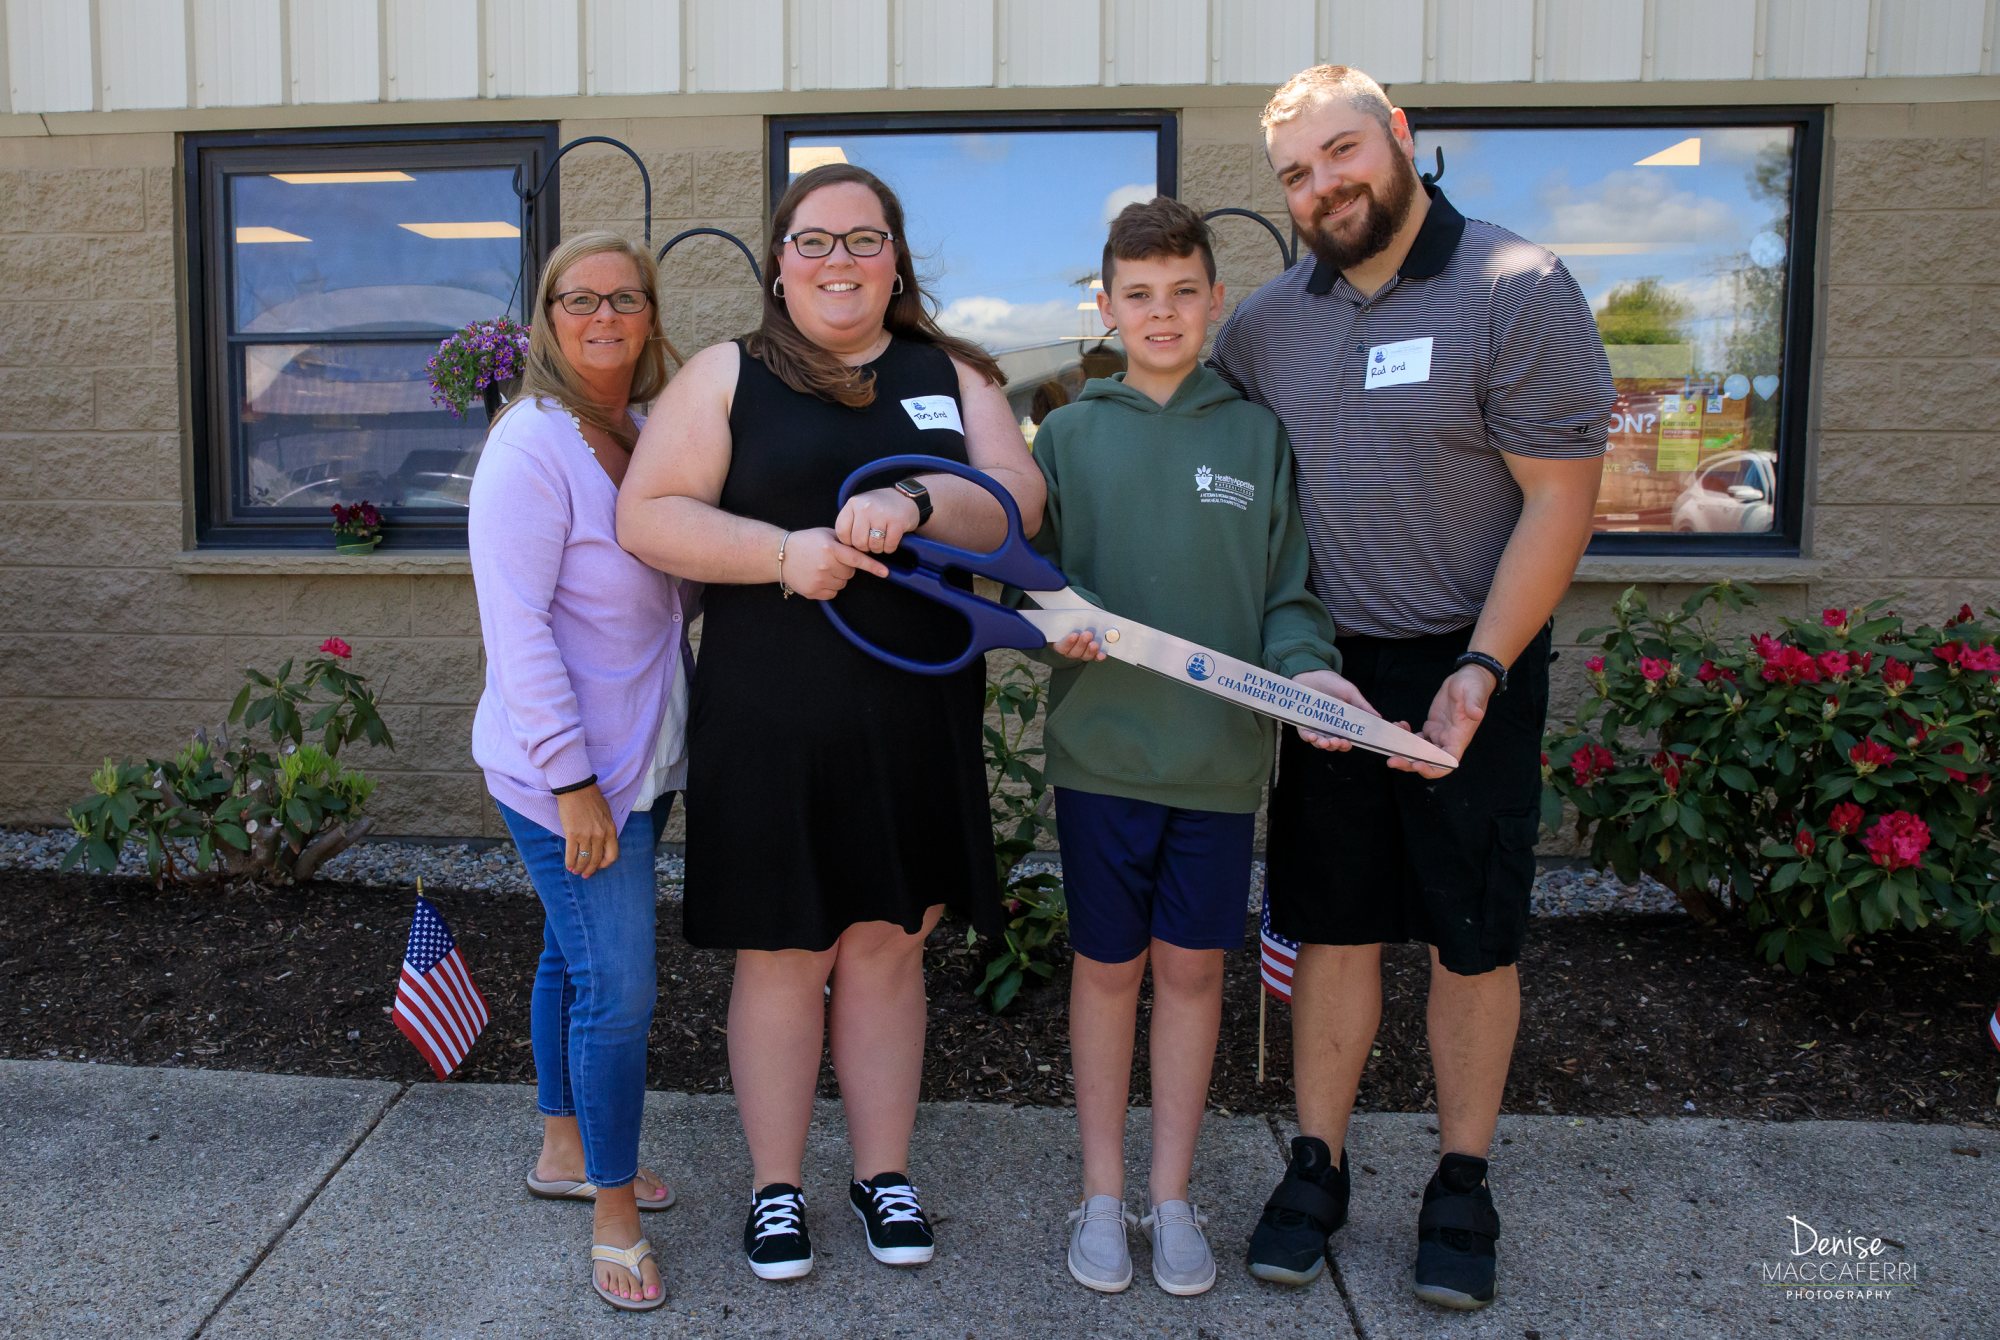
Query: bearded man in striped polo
x=1447, y=398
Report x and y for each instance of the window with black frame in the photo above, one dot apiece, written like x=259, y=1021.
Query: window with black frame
x=1691, y=235
x=1006, y=216
x=326, y=267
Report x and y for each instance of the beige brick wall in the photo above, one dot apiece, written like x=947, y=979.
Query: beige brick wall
x=109, y=644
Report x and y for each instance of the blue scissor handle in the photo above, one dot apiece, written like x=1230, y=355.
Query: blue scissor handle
x=1014, y=563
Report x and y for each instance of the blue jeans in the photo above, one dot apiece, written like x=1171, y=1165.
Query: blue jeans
x=592, y=1007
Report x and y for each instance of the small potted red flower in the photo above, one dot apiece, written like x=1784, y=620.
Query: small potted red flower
x=356, y=529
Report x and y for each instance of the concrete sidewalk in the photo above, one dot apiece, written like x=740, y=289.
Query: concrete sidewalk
x=181, y=1203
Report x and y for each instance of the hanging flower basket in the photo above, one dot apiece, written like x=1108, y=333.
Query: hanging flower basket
x=474, y=362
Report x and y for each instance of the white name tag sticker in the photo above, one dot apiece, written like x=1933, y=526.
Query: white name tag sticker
x=1398, y=364
x=934, y=411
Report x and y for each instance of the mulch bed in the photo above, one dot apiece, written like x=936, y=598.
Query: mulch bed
x=1624, y=1015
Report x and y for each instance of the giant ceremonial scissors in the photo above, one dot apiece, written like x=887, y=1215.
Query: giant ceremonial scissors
x=922, y=565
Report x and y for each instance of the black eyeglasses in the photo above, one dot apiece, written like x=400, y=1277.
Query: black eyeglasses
x=814, y=243
x=583, y=301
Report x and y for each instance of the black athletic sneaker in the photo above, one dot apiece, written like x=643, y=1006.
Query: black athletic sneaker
x=1290, y=1244
x=774, y=1237
x=898, y=1233
x=1456, y=1231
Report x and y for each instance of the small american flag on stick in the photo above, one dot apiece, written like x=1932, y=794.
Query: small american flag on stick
x=437, y=1007
x=1279, y=956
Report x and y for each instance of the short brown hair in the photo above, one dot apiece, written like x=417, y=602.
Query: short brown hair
x=1160, y=227
x=1322, y=83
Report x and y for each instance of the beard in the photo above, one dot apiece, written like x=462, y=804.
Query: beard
x=1372, y=232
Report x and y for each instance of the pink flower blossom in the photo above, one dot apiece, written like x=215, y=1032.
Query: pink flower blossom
x=1870, y=755
x=1834, y=619
x=1980, y=658
x=1835, y=663
x=1595, y=665
x=1845, y=819
x=333, y=646
x=1654, y=668
x=1589, y=763
x=1897, y=841
x=1896, y=676
x=1711, y=673
x=1803, y=844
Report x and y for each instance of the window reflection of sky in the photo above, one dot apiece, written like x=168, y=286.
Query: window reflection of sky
x=1689, y=227
x=1005, y=224
x=361, y=270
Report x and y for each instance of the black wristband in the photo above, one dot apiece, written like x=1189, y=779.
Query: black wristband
x=574, y=786
x=1490, y=664
x=917, y=494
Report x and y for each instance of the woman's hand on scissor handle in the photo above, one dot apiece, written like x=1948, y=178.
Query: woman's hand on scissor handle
x=876, y=521
x=1333, y=686
x=1080, y=646
x=817, y=565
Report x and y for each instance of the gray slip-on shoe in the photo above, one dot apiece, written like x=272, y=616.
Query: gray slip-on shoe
x=1098, y=1255
x=1182, y=1263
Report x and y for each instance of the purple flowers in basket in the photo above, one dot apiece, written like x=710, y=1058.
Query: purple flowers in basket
x=482, y=354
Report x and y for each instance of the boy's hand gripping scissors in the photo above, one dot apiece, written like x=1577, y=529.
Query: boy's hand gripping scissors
x=1061, y=611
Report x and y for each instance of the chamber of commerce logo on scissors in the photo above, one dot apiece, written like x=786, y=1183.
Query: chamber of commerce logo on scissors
x=1199, y=666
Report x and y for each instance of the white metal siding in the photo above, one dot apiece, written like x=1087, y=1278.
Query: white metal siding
x=531, y=48
x=1262, y=41
x=433, y=49
x=734, y=45
x=1159, y=42
x=49, y=57
x=1598, y=41
x=1385, y=40
x=336, y=51
x=1930, y=37
x=944, y=44
x=635, y=46
x=1704, y=39
x=143, y=53
x=1485, y=41
x=840, y=44
x=1816, y=39
x=1050, y=43
x=239, y=57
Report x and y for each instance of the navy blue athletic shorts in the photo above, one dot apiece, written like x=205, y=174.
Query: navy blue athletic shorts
x=1135, y=872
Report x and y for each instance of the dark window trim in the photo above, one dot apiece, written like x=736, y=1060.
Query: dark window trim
x=1165, y=124
x=1794, y=405
x=203, y=160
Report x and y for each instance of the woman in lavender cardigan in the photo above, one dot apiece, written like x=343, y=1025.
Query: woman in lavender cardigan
x=580, y=726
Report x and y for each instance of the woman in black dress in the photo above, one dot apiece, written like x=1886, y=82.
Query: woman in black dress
x=834, y=805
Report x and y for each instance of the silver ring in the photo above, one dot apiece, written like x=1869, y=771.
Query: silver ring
x=874, y=534
x=581, y=852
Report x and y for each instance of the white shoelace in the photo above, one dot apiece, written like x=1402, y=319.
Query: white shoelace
x=778, y=1216
x=896, y=1204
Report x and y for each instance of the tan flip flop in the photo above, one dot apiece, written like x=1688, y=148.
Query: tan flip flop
x=587, y=1191
x=629, y=1258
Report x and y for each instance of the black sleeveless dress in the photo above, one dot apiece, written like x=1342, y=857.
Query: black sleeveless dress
x=824, y=787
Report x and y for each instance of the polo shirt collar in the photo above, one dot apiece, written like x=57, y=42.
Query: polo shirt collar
x=1437, y=239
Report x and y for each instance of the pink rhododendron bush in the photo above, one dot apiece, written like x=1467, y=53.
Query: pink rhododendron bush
x=1824, y=782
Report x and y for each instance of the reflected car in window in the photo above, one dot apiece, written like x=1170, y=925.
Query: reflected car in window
x=1732, y=493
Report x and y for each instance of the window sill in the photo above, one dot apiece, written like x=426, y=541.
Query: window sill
x=320, y=563
x=1789, y=570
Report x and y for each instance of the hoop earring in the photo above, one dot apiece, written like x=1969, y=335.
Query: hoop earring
x=898, y=286
x=778, y=287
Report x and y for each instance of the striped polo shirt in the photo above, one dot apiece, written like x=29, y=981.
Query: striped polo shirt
x=1400, y=406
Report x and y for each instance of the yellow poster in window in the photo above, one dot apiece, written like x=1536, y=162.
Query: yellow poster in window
x=1680, y=433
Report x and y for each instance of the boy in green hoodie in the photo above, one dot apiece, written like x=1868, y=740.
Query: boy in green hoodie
x=1170, y=501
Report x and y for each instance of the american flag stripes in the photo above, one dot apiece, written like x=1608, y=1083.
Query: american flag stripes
x=1279, y=956
x=437, y=1007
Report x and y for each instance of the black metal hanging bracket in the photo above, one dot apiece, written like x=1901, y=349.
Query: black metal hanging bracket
x=1288, y=249
x=645, y=177
x=723, y=233
x=1433, y=178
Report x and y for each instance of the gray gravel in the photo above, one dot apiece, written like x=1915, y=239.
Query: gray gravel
x=1560, y=890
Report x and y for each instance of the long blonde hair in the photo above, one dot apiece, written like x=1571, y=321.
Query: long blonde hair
x=548, y=373
x=810, y=370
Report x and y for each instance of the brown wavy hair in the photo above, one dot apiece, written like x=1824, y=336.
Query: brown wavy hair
x=547, y=373
x=807, y=368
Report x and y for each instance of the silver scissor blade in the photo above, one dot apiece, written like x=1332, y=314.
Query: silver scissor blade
x=1236, y=681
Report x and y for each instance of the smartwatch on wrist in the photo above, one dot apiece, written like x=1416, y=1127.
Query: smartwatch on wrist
x=1490, y=664
x=917, y=494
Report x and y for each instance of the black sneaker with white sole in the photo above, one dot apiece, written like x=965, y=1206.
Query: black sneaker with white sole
x=774, y=1238
x=1456, y=1232
x=1289, y=1245
x=898, y=1232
